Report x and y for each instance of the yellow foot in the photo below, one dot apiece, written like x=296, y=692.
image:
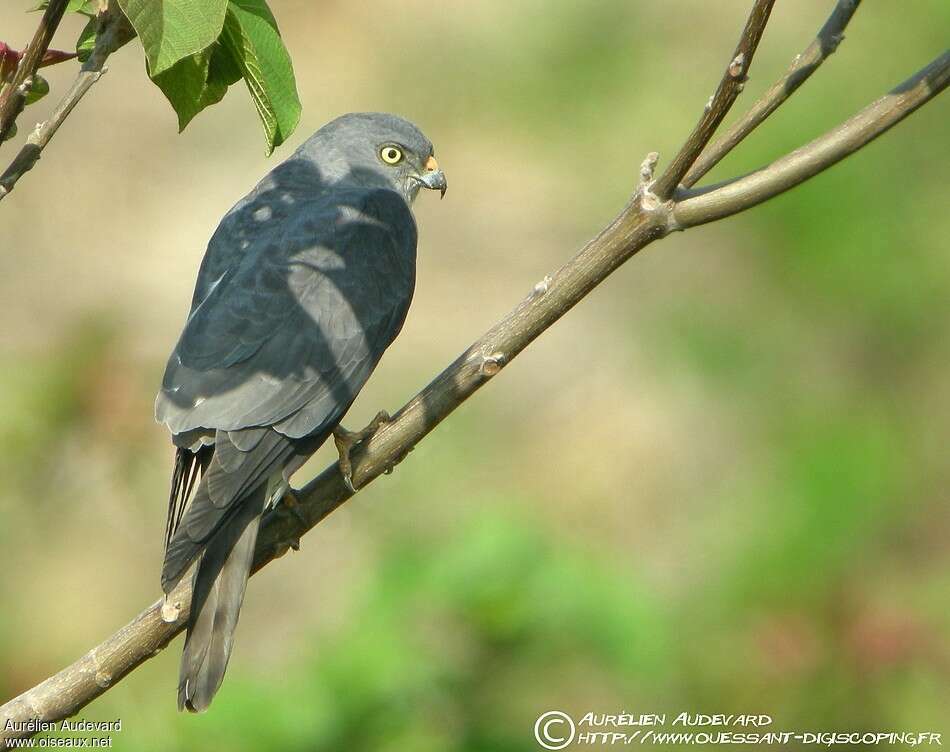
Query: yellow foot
x=346, y=440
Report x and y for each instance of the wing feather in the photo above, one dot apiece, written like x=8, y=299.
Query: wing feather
x=283, y=333
x=288, y=335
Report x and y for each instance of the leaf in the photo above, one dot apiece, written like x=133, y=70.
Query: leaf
x=55, y=57
x=172, y=30
x=87, y=7
x=223, y=66
x=87, y=40
x=253, y=41
x=197, y=81
x=38, y=89
x=9, y=59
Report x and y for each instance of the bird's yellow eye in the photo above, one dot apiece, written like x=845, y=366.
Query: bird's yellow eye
x=391, y=154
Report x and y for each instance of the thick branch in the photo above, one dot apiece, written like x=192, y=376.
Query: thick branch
x=14, y=94
x=729, y=88
x=644, y=220
x=823, y=45
x=709, y=204
x=114, y=31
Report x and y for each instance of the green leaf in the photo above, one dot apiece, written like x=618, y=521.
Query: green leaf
x=38, y=90
x=87, y=7
x=253, y=41
x=197, y=81
x=223, y=66
x=87, y=40
x=172, y=30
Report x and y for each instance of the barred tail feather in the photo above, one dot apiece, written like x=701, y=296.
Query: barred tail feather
x=189, y=466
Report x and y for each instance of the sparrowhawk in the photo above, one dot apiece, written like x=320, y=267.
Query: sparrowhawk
x=304, y=284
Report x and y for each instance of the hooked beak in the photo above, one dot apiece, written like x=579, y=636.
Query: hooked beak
x=433, y=178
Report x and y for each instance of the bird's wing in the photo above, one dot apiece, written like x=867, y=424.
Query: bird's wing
x=258, y=218
x=275, y=353
x=288, y=334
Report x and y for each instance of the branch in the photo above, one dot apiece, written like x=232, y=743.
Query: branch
x=14, y=94
x=718, y=201
x=113, y=31
x=644, y=220
x=729, y=88
x=824, y=44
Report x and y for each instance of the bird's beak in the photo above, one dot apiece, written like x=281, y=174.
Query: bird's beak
x=433, y=178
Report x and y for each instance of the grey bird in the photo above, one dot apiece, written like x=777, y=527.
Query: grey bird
x=304, y=284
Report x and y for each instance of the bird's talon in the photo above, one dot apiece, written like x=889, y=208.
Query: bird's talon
x=293, y=542
x=289, y=504
x=391, y=467
x=346, y=440
x=280, y=549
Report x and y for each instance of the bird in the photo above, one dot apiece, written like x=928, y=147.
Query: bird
x=304, y=284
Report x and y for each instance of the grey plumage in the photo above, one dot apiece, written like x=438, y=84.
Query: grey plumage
x=216, y=602
x=305, y=283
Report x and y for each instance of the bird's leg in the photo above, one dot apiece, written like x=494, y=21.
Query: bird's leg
x=346, y=440
x=392, y=465
x=289, y=504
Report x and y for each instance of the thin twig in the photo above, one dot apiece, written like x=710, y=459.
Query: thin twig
x=729, y=88
x=14, y=94
x=113, y=31
x=715, y=202
x=823, y=45
x=639, y=224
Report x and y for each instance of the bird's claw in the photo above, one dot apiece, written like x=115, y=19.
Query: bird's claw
x=346, y=440
x=290, y=504
x=282, y=547
x=392, y=466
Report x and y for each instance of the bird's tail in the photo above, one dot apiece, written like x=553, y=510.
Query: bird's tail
x=218, y=593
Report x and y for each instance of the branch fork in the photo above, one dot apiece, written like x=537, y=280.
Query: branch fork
x=646, y=199
x=13, y=96
x=114, y=31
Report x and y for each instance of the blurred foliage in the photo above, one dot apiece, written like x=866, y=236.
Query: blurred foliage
x=461, y=645
x=717, y=486
x=48, y=398
x=429, y=647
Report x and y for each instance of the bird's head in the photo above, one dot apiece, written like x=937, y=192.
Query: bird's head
x=374, y=148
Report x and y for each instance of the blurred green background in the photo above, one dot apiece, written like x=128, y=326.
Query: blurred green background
x=719, y=485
